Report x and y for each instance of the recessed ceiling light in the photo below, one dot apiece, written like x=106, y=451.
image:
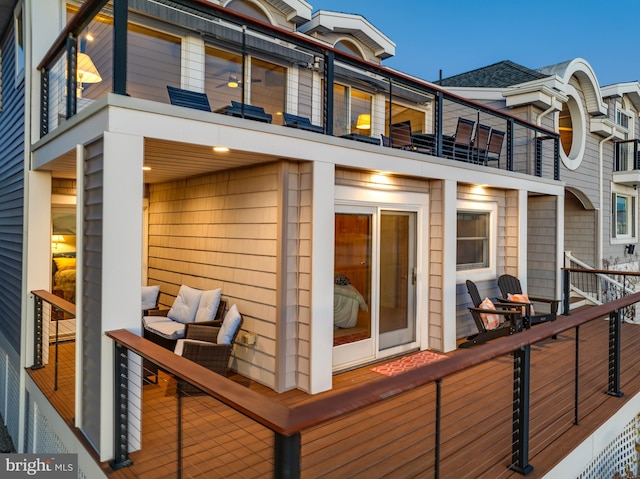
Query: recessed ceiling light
x=220, y=149
x=146, y=168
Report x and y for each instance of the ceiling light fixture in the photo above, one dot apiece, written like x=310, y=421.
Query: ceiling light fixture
x=220, y=149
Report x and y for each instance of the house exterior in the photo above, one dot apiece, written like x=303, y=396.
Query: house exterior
x=598, y=127
x=283, y=218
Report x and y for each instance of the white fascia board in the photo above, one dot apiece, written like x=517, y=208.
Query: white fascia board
x=605, y=127
x=630, y=89
x=473, y=93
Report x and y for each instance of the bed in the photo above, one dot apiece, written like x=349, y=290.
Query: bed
x=64, y=276
x=347, y=301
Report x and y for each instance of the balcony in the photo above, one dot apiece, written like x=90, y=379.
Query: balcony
x=501, y=409
x=626, y=169
x=137, y=49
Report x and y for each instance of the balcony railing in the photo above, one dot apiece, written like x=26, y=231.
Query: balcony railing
x=248, y=62
x=626, y=156
x=482, y=395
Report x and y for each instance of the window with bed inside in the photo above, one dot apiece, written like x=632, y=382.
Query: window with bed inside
x=63, y=249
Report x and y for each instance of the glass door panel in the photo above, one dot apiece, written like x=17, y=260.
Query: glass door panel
x=397, y=319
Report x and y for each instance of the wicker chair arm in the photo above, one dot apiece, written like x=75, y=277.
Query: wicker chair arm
x=157, y=312
x=210, y=355
x=201, y=332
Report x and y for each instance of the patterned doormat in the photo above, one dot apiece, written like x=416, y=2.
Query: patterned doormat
x=407, y=363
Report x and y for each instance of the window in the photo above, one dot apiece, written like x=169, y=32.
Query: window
x=623, y=225
x=19, y=40
x=473, y=240
x=622, y=118
x=476, y=239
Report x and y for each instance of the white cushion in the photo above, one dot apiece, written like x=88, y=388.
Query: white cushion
x=167, y=329
x=147, y=320
x=208, y=306
x=150, y=296
x=229, y=325
x=180, y=344
x=185, y=306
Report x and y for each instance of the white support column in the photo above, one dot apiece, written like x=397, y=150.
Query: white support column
x=523, y=251
x=449, y=232
x=121, y=252
x=192, y=66
x=559, y=244
x=321, y=329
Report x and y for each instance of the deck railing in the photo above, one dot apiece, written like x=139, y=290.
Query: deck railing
x=333, y=90
x=50, y=309
x=404, y=424
x=600, y=286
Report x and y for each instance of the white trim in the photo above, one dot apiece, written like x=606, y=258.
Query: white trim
x=489, y=272
x=579, y=124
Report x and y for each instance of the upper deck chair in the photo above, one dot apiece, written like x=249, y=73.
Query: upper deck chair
x=188, y=98
x=493, y=320
x=460, y=145
x=301, y=123
x=511, y=290
x=494, y=148
x=480, y=143
x=401, y=137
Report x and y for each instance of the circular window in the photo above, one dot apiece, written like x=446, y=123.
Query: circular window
x=571, y=125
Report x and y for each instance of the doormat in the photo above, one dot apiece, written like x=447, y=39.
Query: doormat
x=407, y=363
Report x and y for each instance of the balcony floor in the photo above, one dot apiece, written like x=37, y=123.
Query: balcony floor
x=372, y=442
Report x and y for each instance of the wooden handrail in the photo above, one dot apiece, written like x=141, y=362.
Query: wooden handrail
x=60, y=303
x=291, y=420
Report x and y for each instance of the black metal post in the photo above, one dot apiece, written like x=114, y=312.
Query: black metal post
x=44, y=102
x=72, y=80
x=55, y=371
x=287, y=456
x=556, y=159
x=438, y=123
x=566, y=294
x=120, y=20
x=37, y=333
x=329, y=71
x=436, y=473
x=121, y=408
x=577, y=377
x=521, y=393
x=244, y=69
x=538, y=158
x=179, y=419
x=510, y=124
x=615, y=320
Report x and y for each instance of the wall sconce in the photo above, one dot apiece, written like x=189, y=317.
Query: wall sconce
x=630, y=249
x=55, y=239
x=86, y=72
x=364, y=122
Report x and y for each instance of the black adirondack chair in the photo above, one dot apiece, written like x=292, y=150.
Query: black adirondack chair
x=511, y=324
x=509, y=284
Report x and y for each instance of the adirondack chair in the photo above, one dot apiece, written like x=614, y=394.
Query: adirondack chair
x=511, y=291
x=504, y=319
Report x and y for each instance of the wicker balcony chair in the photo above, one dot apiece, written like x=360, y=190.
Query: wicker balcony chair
x=493, y=320
x=210, y=346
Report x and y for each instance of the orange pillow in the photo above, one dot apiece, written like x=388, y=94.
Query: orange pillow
x=521, y=298
x=491, y=321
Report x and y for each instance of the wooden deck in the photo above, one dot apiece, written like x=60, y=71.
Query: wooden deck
x=395, y=437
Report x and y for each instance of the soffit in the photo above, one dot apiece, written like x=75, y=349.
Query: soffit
x=171, y=160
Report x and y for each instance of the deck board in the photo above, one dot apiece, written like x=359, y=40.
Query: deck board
x=392, y=438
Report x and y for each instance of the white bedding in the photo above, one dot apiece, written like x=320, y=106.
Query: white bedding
x=346, y=303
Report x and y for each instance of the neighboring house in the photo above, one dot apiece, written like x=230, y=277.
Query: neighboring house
x=285, y=219
x=599, y=129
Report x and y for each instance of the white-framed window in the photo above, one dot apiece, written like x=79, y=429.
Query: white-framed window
x=622, y=117
x=19, y=42
x=476, y=239
x=624, y=216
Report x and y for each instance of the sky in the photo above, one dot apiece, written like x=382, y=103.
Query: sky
x=457, y=36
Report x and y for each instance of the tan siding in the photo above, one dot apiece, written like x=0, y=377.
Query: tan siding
x=436, y=255
x=542, y=234
x=507, y=246
x=221, y=230
x=302, y=322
